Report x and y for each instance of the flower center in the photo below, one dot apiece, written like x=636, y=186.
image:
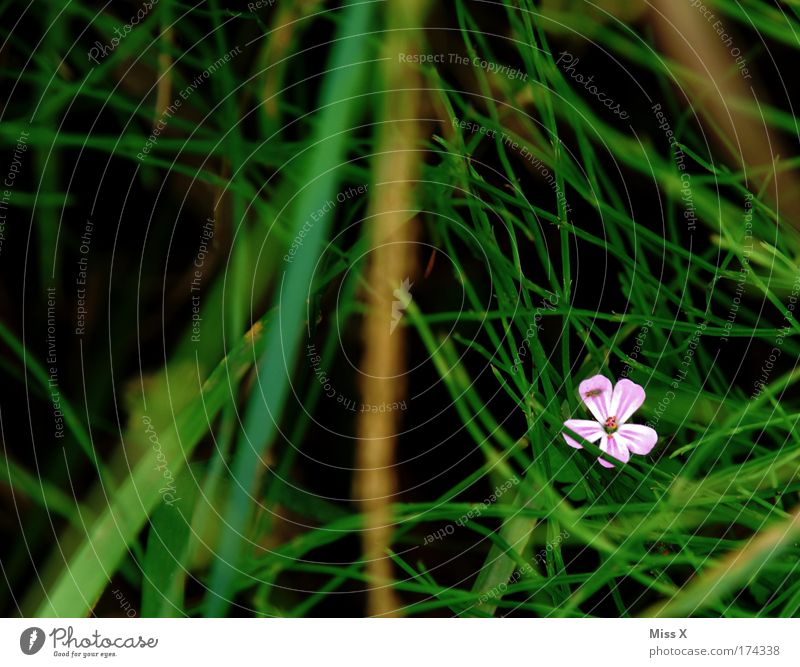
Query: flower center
x=611, y=424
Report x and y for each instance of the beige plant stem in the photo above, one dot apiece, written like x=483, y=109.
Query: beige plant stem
x=719, y=581
x=393, y=231
x=164, y=87
x=720, y=92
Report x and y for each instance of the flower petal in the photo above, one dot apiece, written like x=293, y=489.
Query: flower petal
x=596, y=395
x=586, y=428
x=615, y=449
x=626, y=399
x=637, y=438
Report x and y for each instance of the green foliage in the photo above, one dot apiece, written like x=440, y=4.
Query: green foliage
x=563, y=228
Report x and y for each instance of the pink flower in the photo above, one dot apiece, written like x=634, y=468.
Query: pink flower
x=612, y=409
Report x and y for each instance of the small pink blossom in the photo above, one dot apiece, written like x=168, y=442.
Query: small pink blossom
x=612, y=409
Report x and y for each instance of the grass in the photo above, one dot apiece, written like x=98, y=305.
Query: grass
x=528, y=292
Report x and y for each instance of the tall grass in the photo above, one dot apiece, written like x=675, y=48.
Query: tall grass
x=559, y=241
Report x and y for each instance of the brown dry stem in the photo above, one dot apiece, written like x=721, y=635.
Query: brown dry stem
x=393, y=259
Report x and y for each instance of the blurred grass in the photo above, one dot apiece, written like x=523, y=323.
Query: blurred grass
x=321, y=163
x=271, y=141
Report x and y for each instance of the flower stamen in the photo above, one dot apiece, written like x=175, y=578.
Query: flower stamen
x=611, y=424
